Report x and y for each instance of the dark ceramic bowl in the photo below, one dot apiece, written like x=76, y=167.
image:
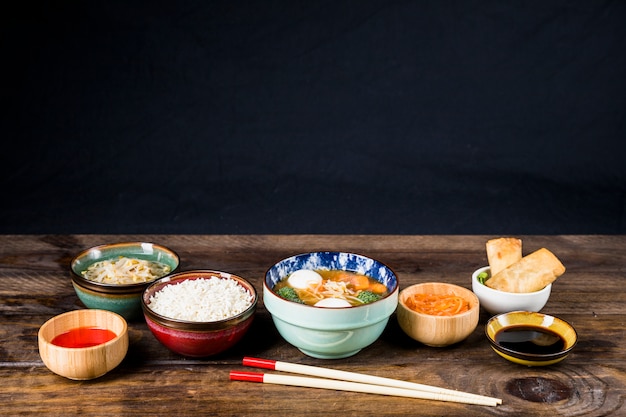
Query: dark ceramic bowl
x=198, y=338
x=125, y=299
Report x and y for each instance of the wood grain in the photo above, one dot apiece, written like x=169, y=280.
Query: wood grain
x=591, y=381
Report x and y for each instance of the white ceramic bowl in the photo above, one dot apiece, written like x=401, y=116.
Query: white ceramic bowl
x=497, y=302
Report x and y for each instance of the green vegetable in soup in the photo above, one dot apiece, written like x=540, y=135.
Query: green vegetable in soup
x=368, y=297
x=290, y=294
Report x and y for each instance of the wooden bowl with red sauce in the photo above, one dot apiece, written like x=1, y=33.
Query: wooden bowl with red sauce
x=83, y=344
x=437, y=314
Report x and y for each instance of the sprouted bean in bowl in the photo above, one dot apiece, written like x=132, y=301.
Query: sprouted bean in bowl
x=125, y=270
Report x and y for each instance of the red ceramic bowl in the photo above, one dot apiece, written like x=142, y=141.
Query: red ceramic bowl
x=198, y=338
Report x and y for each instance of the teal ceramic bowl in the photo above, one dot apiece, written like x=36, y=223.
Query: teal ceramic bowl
x=330, y=333
x=123, y=299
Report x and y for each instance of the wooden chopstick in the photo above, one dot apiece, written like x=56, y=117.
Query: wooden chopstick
x=334, y=384
x=427, y=391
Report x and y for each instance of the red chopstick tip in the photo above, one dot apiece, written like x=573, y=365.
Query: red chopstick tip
x=259, y=363
x=246, y=376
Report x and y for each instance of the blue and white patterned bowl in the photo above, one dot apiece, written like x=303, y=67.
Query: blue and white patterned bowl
x=330, y=333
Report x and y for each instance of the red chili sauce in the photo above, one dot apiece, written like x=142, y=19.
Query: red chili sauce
x=82, y=337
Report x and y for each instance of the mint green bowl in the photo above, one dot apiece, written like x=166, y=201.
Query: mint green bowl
x=330, y=333
x=124, y=300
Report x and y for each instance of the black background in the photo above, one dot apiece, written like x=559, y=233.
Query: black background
x=426, y=117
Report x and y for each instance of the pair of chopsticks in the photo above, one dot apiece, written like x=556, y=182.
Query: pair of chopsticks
x=352, y=381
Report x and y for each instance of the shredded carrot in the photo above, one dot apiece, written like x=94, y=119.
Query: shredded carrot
x=437, y=304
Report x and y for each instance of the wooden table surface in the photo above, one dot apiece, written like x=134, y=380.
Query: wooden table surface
x=591, y=295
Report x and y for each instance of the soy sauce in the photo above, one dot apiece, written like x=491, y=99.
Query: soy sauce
x=530, y=339
x=82, y=337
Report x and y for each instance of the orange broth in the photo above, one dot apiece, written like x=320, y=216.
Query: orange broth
x=355, y=283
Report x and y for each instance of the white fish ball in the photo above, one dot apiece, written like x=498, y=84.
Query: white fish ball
x=304, y=278
x=332, y=303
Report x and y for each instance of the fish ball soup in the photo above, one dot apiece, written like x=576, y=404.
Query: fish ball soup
x=330, y=288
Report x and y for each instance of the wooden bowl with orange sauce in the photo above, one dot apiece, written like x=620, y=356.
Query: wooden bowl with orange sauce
x=437, y=314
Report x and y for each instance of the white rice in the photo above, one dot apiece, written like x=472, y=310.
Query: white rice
x=202, y=299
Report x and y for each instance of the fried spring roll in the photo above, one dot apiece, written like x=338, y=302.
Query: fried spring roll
x=503, y=252
x=532, y=273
